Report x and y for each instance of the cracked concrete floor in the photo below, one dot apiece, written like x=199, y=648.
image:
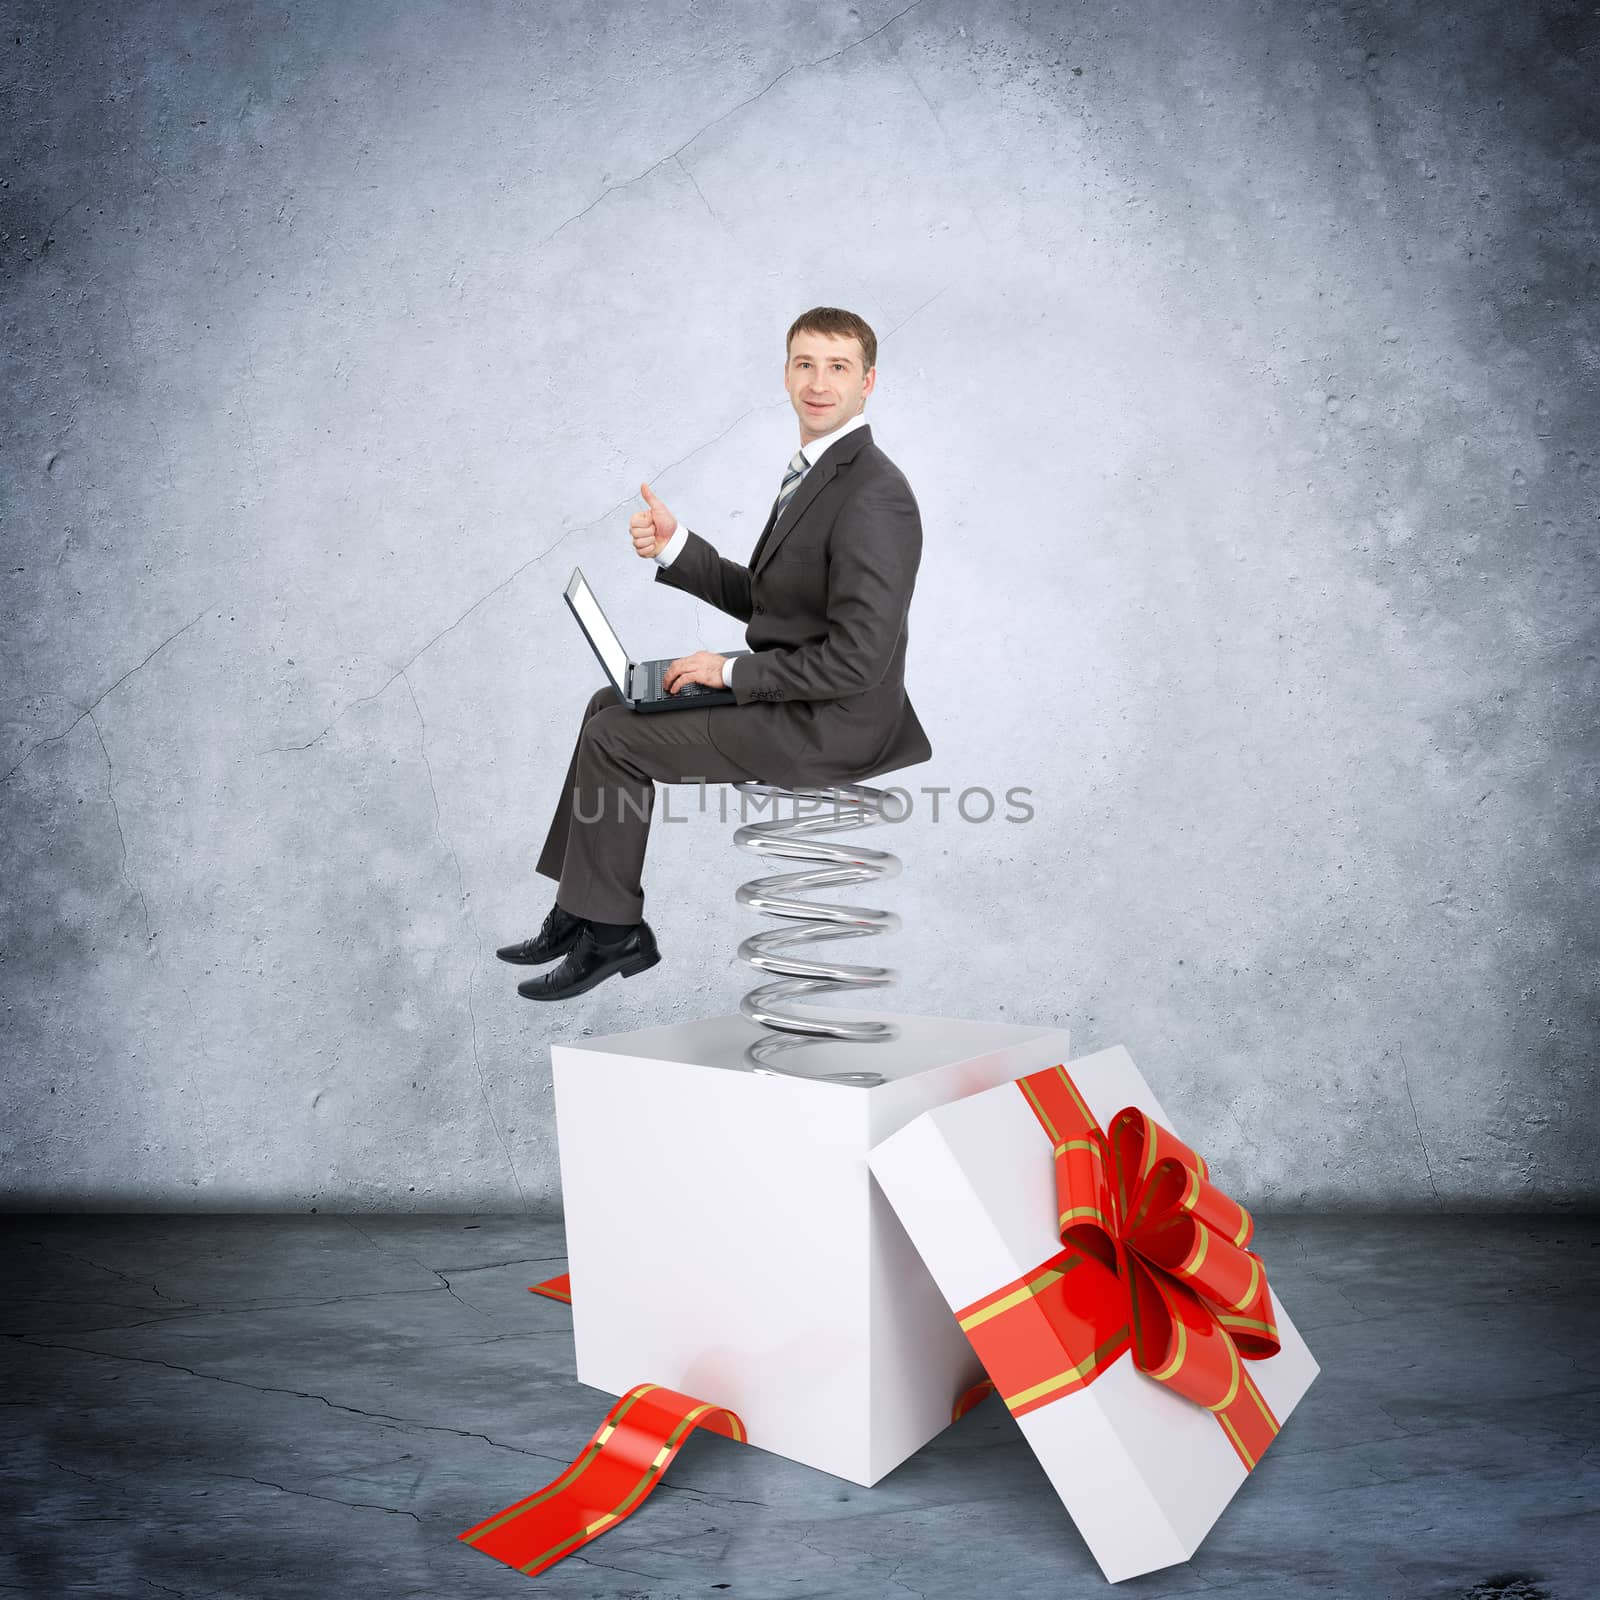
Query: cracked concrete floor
x=315, y=1406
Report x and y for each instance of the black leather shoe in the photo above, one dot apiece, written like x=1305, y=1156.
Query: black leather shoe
x=589, y=963
x=557, y=936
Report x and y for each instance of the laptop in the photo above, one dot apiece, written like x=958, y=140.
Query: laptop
x=637, y=682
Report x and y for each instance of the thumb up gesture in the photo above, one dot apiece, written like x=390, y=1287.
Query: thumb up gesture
x=652, y=527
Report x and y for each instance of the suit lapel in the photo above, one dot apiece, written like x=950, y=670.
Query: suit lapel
x=816, y=478
x=761, y=543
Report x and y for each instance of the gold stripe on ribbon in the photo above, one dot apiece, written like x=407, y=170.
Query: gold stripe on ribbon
x=1238, y=1444
x=1019, y=1295
x=1072, y=1374
x=1084, y=1211
x=1249, y=1297
x=1177, y=1360
x=1039, y=1111
x=1077, y=1099
x=1236, y=1372
x=1261, y=1403
x=1245, y=1322
x=571, y=1475
x=626, y=1504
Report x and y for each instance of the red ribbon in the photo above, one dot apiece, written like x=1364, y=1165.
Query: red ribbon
x=1155, y=1261
x=611, y=1478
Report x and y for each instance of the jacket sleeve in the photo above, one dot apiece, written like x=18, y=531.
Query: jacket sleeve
x=699, y=570
x=874, y=550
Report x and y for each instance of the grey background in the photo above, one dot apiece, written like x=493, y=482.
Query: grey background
x=1241, y=357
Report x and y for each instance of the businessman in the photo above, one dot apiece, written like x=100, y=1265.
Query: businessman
x=820, y=698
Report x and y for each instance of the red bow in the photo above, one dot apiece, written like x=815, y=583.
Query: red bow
x=1141, y=1202
x=1155, y=1260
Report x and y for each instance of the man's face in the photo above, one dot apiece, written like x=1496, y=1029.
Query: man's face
x=826, y=368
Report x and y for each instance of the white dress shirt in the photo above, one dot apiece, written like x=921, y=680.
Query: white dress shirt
x=668, y=553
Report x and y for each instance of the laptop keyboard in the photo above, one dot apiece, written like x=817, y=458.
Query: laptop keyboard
x=654, y=691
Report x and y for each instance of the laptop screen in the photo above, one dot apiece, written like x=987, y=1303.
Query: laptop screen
x=599, y=630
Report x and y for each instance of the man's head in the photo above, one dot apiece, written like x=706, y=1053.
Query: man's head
x=832, y=358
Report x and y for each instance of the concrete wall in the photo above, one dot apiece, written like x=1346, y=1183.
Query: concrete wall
x=1242, y=359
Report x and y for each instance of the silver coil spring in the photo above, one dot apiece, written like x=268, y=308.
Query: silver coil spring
x=842, y=807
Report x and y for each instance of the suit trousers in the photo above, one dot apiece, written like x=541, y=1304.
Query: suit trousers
x=596, y=845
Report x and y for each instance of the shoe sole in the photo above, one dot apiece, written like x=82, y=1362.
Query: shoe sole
x=628, y=969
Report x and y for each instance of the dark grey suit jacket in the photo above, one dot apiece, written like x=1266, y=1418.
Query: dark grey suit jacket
x=826, y=595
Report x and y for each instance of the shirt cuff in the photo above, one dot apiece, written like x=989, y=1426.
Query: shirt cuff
x=668, y=553
x=727, y=673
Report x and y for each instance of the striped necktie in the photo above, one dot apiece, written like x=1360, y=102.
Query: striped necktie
x=791, y=481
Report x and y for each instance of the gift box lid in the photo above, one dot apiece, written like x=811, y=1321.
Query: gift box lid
x=1105, y=1279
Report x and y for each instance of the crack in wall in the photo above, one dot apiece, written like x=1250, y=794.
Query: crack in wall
x=701, y=192
x=673, y=155
x=472, y=971
x=705, y=444
x=95, y=705
x=911, y=314
x=534, y=560
x=412, y=660
x=944, y=136
x=203, y=1122
x=116, y=812
x=1405, y=1077
x=166, y=460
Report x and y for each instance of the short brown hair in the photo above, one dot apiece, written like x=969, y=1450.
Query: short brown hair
x=839, y=324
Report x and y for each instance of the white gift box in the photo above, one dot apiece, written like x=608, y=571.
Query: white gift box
x=1143, y=1472
x=725, y=1237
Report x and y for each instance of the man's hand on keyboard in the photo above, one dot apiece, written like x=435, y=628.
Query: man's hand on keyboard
x=704, y=666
